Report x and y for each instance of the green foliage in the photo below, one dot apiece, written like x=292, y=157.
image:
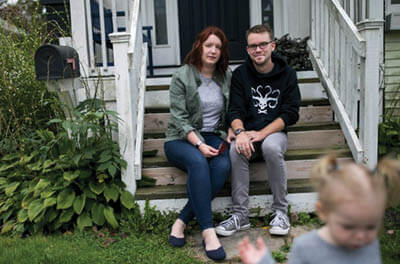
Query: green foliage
x=389, y=137
x=390, y=236
x=66, y=178
x=25, y=103
x=295, y=51
x=279, y=256
x=151, y=221
x=303, y=218
x=100, y=247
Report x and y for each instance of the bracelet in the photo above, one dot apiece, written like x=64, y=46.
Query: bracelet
x=198, y=144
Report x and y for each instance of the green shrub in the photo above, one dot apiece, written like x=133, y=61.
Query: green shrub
x=389, y=137
x=25, y=103
x=67, y=178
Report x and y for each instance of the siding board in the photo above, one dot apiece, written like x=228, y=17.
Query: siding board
x=392, y=73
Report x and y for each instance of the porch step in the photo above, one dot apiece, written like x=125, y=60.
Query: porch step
x=296, y=140
x=160, y=98
x=152, y=131
x=159, y=83
x=157, y=122
x=157, y=90
x=314, y=135
x=297, y=127
x=304, y=102
x=255, y=188
x=299, y=164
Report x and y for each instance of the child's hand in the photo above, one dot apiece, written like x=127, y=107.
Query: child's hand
x=250, y=254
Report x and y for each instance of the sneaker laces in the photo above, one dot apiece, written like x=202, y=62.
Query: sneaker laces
x=231, y=221
x=280, y=219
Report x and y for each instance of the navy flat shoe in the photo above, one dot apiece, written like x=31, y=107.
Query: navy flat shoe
x=216, y=254
x=176, y=241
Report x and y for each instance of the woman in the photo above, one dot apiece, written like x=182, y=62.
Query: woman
x=195, y=143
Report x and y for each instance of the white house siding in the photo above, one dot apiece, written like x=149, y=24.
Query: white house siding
x=392, y=73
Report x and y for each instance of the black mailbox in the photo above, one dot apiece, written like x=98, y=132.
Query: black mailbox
x=54, y=62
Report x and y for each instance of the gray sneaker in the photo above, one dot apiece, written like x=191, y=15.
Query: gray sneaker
x=231, y=225
x=280, y=225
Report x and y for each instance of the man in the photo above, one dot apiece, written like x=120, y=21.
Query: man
x=264, y=101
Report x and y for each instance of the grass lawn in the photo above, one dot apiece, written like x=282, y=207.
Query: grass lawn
x=88, y=248
x=102, y=246
x=390, y=238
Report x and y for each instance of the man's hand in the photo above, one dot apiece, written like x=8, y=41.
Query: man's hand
x=243, y=145
x=231, y=136
x=255, y=136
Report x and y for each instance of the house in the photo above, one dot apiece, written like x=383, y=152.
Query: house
x=341, y=103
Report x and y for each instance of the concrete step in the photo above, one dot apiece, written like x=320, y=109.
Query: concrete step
x=299, y=164
x=157, y=122
x=255, y=188
x=259, y=205
x=332, y=138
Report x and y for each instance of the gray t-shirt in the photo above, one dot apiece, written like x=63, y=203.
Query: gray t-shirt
x=310, y=248
x=212, y=103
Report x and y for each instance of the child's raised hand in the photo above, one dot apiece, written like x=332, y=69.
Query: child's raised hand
x=250, y=254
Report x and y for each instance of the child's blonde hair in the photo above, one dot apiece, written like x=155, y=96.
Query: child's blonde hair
x=333, y=180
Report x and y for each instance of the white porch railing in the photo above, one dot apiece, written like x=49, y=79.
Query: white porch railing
x=347, y=60
x=130, y=55
x=92, y=21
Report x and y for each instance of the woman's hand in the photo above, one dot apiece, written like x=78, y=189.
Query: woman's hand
x=208, y=151
x=231, y=135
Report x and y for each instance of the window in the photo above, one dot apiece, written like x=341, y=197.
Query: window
x=268, y=12
x=160, y=17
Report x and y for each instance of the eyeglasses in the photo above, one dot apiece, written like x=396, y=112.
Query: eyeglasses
x=262, y=45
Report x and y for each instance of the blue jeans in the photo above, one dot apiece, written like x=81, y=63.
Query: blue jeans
x=206, y=176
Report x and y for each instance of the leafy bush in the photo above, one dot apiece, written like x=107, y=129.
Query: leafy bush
x=151, y=221
x=389, y=137
x=66, y=178
x=25, y=103
x=295, y=51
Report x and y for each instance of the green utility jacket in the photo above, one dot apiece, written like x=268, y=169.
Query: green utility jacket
x=186, y=111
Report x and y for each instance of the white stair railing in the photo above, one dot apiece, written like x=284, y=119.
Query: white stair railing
x=130, y=54
x=347, y=60
x=91, y=21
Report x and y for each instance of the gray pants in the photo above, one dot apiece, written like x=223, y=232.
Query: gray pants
x=272, y=149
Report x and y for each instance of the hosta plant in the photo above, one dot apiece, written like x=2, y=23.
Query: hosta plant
x=65, y=179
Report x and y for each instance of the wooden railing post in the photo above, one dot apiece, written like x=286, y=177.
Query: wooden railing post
x=126, y=93
x=372, y=32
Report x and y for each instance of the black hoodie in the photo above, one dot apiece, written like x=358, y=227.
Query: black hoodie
x=259, y=98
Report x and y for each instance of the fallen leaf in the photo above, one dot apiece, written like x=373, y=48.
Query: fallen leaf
x=390, y=232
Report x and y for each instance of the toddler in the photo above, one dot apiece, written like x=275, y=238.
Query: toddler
x=351, y=203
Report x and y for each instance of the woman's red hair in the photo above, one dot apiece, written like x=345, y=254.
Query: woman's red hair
x=194, y=55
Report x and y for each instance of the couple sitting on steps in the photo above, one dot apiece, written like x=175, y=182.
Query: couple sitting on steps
x=220, y=121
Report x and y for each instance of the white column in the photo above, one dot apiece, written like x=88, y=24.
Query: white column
x=79, y=34
x=125, y=91
x=372, y=32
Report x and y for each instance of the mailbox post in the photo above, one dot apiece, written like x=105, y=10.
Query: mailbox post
x=59, y=66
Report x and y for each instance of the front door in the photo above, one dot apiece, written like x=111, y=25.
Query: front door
x=232, y=16
x=162, y=15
